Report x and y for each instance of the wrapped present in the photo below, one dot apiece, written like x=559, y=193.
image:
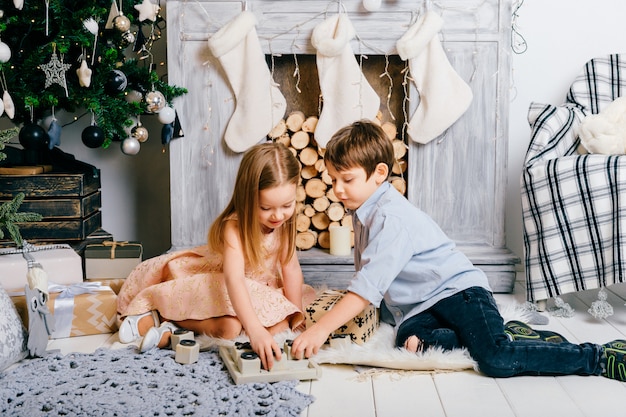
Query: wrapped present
x=112, y=259
x=61, y=263
x=78, y=309
x=360, y=329
x=114, y=283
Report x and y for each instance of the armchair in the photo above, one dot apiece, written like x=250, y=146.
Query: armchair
x=573, y=204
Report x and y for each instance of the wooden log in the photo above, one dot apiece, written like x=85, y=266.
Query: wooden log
x=294, y=121
x=303, y=223
x=335, y=212
x=320, y=165
x=321, y=203
x=347, y=221
x=315, y=188
x=330, y=194
x=306, y=240
x=300, y=140
x=399, y=148
x=323, y=239
x=300, y=193
x=399, y=184
x=310, y=124
x=308, y=172
x=320, y=221
x=390, y=130
x=399, y=167
x=309, y=210
x=278, y=130
x=285, y=139
x=326, y=179
x=308, y=156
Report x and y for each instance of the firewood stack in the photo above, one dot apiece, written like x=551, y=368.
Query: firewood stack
x=317, y=207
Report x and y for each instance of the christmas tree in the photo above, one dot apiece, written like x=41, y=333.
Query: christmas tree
x=74, y=55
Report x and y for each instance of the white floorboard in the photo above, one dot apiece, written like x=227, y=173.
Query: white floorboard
x=342, y=391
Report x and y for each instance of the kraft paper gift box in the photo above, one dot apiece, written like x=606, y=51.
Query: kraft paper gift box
x=77, y=310
x=61, y=263
x=114, y=283
x=360, y=329
x=112, y=259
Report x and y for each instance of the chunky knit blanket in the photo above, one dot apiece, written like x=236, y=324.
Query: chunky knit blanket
x=125, y=383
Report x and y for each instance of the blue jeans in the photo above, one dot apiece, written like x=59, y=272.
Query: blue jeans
x=471, y=319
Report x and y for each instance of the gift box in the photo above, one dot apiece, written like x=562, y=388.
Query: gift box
x=360, y=329
x=60, y=262
x=114, y=283
x=112, y=259
x=78, y=309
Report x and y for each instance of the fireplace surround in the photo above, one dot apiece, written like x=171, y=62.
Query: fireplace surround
x=459, y=178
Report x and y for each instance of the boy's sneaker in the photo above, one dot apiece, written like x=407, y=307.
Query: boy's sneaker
x=613, y=360
x=517, y=330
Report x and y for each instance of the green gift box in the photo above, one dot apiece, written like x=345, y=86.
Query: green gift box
x=112, y=259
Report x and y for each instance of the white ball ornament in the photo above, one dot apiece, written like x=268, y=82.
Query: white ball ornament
x=167, y=115
x=130, y=146
x=371, y=5
x=5, y=52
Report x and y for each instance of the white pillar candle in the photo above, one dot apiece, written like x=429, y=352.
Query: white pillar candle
x=340, y=241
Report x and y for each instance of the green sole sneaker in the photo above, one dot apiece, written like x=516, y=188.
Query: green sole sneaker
x=518, y=330
x=614, y=360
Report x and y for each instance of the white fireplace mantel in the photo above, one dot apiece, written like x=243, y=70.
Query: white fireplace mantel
x=458, y=178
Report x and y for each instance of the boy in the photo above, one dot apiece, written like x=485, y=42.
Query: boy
x=424, y=286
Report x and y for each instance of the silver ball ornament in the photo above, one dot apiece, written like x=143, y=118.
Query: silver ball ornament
x=121, y=23
x=130, y=146
x=140, y=133
x=5, y=52
x=155, y=101
x=167, y=115
x=133, y=96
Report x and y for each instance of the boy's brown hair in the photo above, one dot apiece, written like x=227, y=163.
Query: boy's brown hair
x=362, y=144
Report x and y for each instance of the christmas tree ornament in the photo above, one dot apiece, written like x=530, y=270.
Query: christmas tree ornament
x=167, y=132
x=371, y=5
x=259, y=102
x=139, y=132
x=19, y=4
x=130, y=146
x=113, y=13
x=133, y=96
x=147, y=10
x=5, y=53
x=178, y=129
x=9, y=106
x=33, y=137
x=1, y=107
x=155, y=101
x=116, y=82
x=93, y=136
x=167, y=115
x=121, y=23
x=347, y=96
x=84, y=74
x=92, y=26
x=55, y=71
x=128, y=38
x=444, y=96
x=54, y=134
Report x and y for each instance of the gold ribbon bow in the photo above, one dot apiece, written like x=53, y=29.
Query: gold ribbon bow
x=114, y=244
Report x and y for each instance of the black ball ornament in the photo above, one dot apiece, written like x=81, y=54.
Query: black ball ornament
x=116, y=82
x=93, y=137
x=33, y=137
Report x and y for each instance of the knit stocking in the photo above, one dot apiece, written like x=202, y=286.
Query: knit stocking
x=347, y=95
x=444, y=96
x=259, y=103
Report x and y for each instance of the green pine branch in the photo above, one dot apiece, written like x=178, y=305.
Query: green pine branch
x=5, y=136
x=10, y=217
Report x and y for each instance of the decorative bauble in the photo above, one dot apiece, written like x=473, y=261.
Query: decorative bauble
x=155, y=101
x=121, y=23
x=371, y=5
x=93, y=136
x=116, y=83
x=140, y=133
x=33, y=137
x=133, y=96
x=128, y=37
x=167, y=115
x=5, y=52
x=130, y=146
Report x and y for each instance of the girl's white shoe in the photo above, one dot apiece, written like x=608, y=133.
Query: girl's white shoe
x=129, y=332
x=154, y=335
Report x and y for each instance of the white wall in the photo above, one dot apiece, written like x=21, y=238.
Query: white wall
x=561, y=35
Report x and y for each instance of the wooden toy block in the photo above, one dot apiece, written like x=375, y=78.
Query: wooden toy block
x=244, y=365
x=187, y=352
x=179, y=335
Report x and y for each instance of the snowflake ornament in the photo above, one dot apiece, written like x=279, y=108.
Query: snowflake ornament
x=55, y=72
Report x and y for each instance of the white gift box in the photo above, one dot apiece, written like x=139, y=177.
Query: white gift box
x=60, y=262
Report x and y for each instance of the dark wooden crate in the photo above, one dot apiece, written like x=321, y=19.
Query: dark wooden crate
x=61, y=229
x=49, y=185
x=63, y=208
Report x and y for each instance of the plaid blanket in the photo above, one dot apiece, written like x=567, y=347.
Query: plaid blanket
x=573, y=204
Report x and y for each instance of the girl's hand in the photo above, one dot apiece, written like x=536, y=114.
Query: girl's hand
x=308, y=343
x=266, y=347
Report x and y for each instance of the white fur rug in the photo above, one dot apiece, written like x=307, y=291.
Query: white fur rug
x=380, y=351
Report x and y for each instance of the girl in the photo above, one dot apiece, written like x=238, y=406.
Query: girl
x=246, y=278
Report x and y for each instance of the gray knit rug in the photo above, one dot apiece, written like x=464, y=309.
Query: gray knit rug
x=126, y=383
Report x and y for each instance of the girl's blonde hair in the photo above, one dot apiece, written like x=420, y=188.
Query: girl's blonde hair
x=263, y=166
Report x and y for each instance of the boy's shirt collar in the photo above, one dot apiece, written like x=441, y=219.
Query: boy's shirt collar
x=366, y=208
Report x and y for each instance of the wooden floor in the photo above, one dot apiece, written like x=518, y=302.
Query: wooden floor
x=342, y=391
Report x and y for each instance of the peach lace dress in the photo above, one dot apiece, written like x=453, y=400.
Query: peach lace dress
x=189, y=284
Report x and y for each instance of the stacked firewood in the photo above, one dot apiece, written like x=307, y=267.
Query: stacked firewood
x=317, y=206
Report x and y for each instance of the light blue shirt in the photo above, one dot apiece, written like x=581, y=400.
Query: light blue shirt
x=402, y=257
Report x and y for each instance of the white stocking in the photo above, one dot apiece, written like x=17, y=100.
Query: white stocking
x=347, y=95
x=444, y=96
x=259, y=103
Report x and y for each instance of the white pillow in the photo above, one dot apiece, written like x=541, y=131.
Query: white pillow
x=13, y=335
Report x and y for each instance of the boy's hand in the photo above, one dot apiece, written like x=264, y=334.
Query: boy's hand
x=309, y=342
